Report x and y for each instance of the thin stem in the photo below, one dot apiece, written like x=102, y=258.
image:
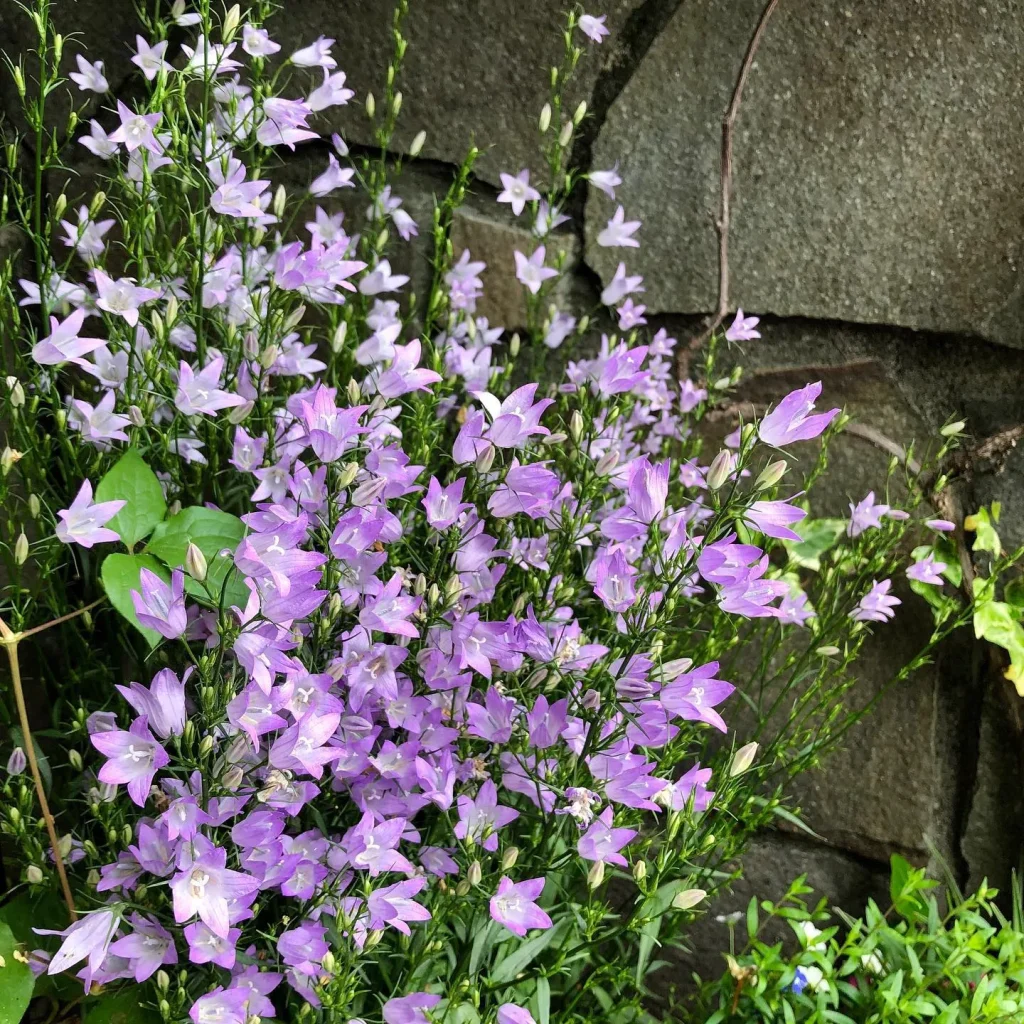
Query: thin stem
x=10, y=640
x=63, y=618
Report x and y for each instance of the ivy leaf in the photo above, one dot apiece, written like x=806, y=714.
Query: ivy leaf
x=818, y=537
x=983, y=525
x=120, y=576
x=130, y=480
x=213, y=532
x=16, y=980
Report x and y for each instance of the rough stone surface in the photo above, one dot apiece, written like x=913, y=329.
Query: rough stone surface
x=878, y=162
x=475, y=72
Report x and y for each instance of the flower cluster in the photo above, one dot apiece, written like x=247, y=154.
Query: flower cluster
x=441, y=649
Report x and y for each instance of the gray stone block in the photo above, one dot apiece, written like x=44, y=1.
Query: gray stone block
x=878, y=163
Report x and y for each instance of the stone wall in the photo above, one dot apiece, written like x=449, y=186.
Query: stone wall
x=877, y=229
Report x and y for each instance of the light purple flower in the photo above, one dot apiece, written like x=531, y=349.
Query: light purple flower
x=221, y=1007
x=205, y=886
x=513, y=905
x=148, y=948
x=410, y=1009
x=98, y=424
x=163, y=703
x=234, y=196
x=481, y=817
x=742, y=328
x=791, y=419
x=444, y=505
x=607, y=182
x=602, y=842
x=509, y=1013
x=134, y=758
x=200, y=393
x=122, y=297
x=865, y=515
x=940, y=525
x=89, y=77
x=405, y=374
x=517, y=191
x=316, y=55
x=63, y=344
x=161, y=606
x=88, y=938
x=150, y=59
x=136, y=130
x=394, y=905
x=530, y=489
x=877, y=604
x=593, y=27
x=618, y=232
x=257, y=42
x=531, y=272
x=927, y=570
x=84, y=522
x=774, y=518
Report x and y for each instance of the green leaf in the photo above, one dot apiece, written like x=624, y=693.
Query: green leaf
x=525, y=953
x=214, y=533
x=982, y=525
x=997, y=622
x=819, y=535
x=120, y=576
x=16, y=980
x=120, y=1006
x=27, y=911
x=132, y=481
x=543, y=1001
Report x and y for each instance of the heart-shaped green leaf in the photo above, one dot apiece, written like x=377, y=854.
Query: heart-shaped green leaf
x=130, y=480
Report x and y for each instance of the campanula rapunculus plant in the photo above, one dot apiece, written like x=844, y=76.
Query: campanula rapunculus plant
x=400, y=676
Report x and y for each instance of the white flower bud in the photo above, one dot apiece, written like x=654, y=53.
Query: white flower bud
x=485, y=459
x=171, y=311
x=576, y=425
x=136, y=416
x=475, y=873
x=195, y=563
x=688, y=899
x=771, y=475
x=338, y=338
x=97, y=204
x=720, y=469
x=545, y=118
x=396, y=103
x=352, y=391
x=417, y=143
x=205, y=746
x=595, y=876
x=640, y=870
x=59, y=206
x=8, y=457
x=828, y=651
x=607, y=463
x=952, y=429
x=515, y=343
x=75, y=758
x=231, y=20
x=280, y=200
x=565, y=135
x=34, y=506
x=21, y=549
x=348, y=473
x=371, y=105
x=509, y=858
x=742, y=759
x=269, y=356
x=17, y=392
x=33, y=875
x=581, y=112
x=239, y=412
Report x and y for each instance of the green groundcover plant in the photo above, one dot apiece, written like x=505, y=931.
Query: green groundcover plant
x=387, y=670
x=927, y=957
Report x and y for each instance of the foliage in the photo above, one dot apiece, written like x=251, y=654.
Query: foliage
x=925, y=957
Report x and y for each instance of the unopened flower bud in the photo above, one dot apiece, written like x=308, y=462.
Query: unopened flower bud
x=720, y=469
x=17, y=392
x=509, y=858
x=328, y=963
x=195, y=563
x=515, y=343
x=59, y=206
x=396, y=103
x=205, y=746
x=433, y=593
x=21, y=549
x=16, y=762
x=251, y=345
x=771, y=475
x=952, y=429
x=126, y=833
x=33, y=505
x=371, y=105
x=269, y=356
x=97, y=204
x=165, y=1009
x=417, y=143
x=33, y=875
x=592, y=700
x=565, y=135
x=382, y=239
x=419, y=586
x=135, y=415
x=352, y=391
x=580, y=113
x=338, y=338
x=19, y=80
x=174, y=508
x=75, y=758
x=742, y=759
x=348, y=473
x=828, y=651
x=595, y=876
x=640, y=870
x=231, y=20
x=453, y=588
x=8, y=457
x=576, y=425
x=688, y=899
x=607, y=463
x=545, y=118
x=163, y=981
x=555, y=439
x=462, y=889
x=239, y=412
x=280, y=201
x=485, y=459
x=475, y=873
x=171, y=311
